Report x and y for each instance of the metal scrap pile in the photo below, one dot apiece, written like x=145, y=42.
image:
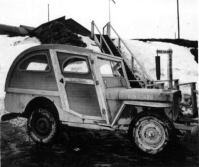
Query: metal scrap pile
x=58, y=33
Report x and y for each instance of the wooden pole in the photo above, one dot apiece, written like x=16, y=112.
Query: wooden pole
x=109, y=17
x=170, y=71
x=194, y=100
x=48, y=14
x=178, y=20
x=92, y=30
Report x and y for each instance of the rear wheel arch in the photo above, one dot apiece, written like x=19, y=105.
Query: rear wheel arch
x=39, y=102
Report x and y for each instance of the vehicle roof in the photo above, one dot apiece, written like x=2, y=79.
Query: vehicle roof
x=69, y=48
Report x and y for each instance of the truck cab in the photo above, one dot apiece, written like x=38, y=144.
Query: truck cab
x=60, y=84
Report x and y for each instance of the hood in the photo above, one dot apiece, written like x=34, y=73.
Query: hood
x=139, y=94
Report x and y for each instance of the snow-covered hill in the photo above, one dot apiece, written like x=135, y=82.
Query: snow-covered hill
x=184, y=66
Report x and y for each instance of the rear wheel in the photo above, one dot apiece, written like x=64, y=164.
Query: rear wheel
x=151, y=132
x=43, y=126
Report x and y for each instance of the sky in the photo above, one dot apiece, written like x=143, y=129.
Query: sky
x=132, y=19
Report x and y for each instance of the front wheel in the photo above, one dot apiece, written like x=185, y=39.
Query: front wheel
x=151, y=132
x=43, y=126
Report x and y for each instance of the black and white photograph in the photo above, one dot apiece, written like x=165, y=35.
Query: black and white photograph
x=99, y=83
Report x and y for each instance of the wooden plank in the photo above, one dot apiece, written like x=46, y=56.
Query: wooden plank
x=83, y=99
x=88, y=126
x=125, y=75
x=148, y=104
x=135, y=80
x=118, y=114
x=194, y=100
x=107, y=56
x=72, y=52
x=58, y=76
x=188, y=83
x=97, y=87
x=92, y=117
x=100, y=87
x=79, y=81
x=33, y=92
x=166, y=80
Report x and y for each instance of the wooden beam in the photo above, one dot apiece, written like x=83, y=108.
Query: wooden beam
x=188, y=83
x=101, y=89
x=33, y=92
x=58, y=76
x=79, y=81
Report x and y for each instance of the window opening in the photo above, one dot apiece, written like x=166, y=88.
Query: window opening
x=76, y=65
x=110, y=68
x=35, y=63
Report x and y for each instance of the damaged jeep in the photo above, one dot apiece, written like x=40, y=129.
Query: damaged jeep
x=59, y=84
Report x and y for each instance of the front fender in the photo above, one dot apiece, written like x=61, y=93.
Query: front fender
x=139, y=103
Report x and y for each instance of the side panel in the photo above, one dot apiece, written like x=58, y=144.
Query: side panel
x=114, y=106
x=83, y=99
x=17, y=102
x=33, y=79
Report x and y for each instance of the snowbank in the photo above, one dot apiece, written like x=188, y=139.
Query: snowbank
x=90, y=43
x=185, y=68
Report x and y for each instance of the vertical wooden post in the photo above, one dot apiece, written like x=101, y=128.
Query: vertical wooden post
x=109, y=29
x=178, y=20
x=162, y=86
x=109, y=34
x=119, y=43
x=169, y=70
x=194, y=102
x=176, y=82
x=48, y=14
x=100, y=42
x=158, y=68
x=92, y=30
x=132, y=62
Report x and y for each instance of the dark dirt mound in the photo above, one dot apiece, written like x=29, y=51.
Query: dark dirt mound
x=58, y=33
x=79, y=147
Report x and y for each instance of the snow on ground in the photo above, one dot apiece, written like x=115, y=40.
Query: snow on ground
x=185, y=68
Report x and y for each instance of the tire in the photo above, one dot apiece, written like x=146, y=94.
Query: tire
x=43, y=127
x=151, y=132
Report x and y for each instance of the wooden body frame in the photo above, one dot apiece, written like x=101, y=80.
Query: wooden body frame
x=60, y=97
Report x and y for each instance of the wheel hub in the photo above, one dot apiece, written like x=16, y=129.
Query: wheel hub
x=42, y=125
x=151, y=134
